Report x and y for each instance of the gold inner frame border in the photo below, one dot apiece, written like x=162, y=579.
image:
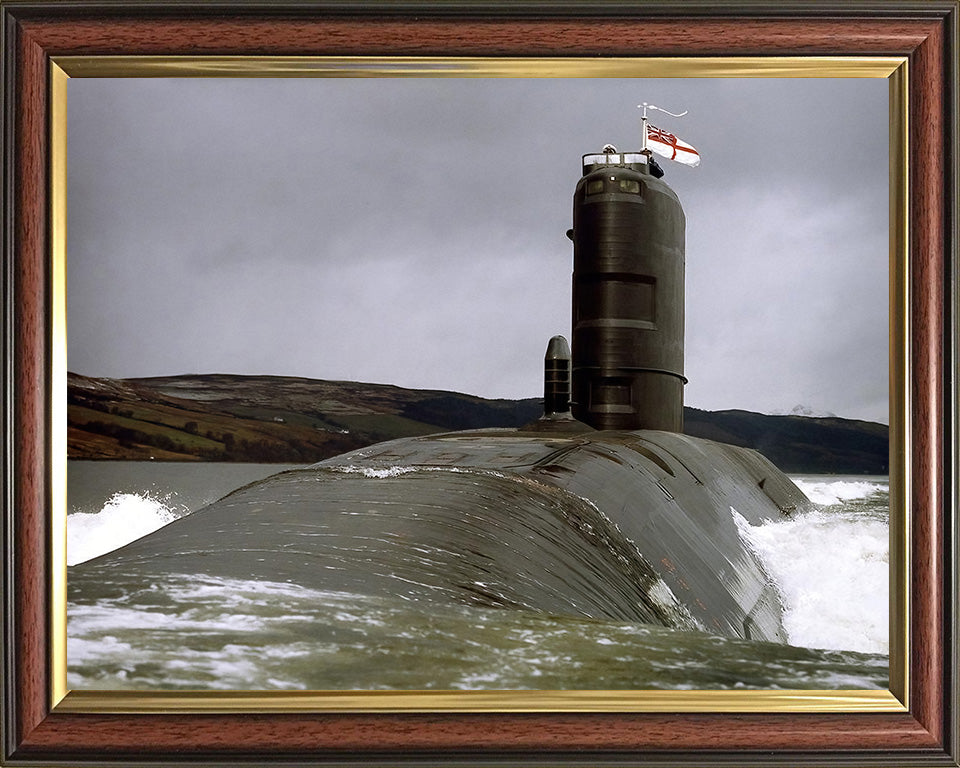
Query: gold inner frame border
x=894, y=699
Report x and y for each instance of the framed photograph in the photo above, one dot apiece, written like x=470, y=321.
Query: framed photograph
x=128, y=65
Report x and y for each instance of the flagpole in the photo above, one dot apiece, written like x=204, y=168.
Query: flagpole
x=644, y=149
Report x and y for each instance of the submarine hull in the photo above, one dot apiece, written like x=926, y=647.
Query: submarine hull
x=640, y=526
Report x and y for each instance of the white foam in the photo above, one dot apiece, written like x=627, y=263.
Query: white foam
x=832, y=569
x=396, y=471
x=830, y=492
x=123, y=518
x=374, y=472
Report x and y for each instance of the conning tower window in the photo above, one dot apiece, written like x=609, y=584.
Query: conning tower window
x=613, y=184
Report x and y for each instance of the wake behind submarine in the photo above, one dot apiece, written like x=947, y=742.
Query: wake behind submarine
x=602, y=508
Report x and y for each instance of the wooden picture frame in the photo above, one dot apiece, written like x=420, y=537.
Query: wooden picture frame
x=35, y=731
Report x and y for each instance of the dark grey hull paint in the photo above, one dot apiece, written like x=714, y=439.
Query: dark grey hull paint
x=633, y=526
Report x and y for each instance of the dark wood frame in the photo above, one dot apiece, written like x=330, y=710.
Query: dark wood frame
x=925, y=32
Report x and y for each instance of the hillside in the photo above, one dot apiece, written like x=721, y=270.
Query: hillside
x=261, y=418
x=222, y=417
x=799, y=444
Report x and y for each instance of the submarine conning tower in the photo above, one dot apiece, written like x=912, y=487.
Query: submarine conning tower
x=628, y=271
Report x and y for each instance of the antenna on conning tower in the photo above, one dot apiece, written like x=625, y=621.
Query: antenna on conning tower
x=664, y=143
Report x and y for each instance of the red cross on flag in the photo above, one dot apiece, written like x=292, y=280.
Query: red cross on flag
x=668, y=145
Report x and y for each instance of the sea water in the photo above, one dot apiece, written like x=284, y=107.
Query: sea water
x=195, y=631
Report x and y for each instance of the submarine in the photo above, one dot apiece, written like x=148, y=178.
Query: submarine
x=602, y=508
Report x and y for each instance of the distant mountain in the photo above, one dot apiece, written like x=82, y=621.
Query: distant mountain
x=222, y=417
x=805, y=410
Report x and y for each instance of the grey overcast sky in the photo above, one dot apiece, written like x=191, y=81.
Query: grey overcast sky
x=411, y=231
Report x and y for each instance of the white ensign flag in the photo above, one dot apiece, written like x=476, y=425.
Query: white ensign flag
x=668, y=145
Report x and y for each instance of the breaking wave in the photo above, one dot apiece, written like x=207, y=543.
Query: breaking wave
x=124, y=517
x=832, y=565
